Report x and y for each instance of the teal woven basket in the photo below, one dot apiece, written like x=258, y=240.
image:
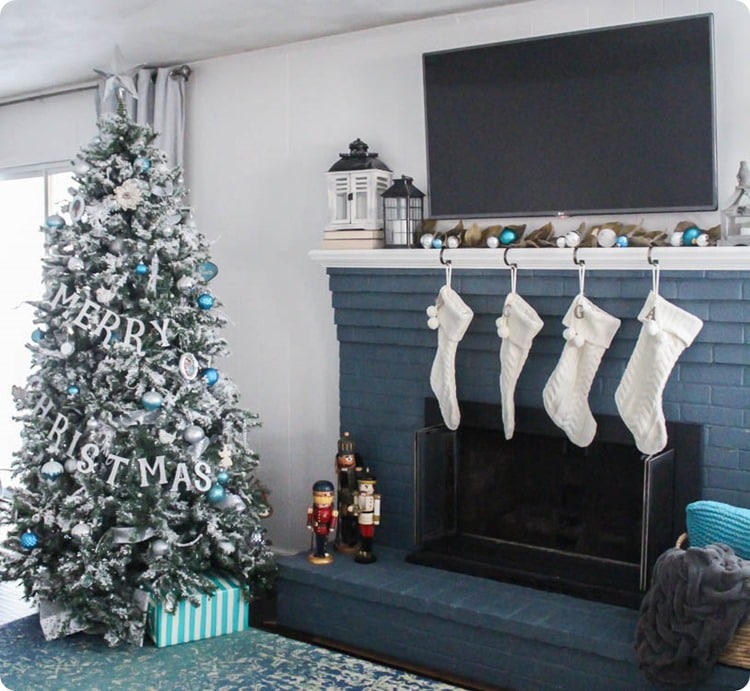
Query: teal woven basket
x=710, y=522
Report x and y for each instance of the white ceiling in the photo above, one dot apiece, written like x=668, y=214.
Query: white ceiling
x=46, y=44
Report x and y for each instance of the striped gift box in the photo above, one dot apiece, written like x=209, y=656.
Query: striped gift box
x=224, y=611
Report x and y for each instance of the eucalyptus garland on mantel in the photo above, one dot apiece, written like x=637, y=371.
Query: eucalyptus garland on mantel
x=604, y=235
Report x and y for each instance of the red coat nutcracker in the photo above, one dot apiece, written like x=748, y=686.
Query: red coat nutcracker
x=321, y=520
x=367, y=510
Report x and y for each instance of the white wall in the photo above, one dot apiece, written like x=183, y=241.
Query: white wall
x=264, y=126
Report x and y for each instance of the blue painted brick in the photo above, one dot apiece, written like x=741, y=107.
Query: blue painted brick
x=719, y=457
x=707, y=414
x=732, y=354
x=717, y=289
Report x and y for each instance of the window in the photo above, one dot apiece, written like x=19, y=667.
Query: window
x=27, y=197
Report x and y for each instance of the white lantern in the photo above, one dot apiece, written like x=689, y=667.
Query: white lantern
x=355, y=183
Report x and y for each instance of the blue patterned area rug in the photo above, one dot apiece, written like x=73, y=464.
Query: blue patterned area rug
x=252, y=660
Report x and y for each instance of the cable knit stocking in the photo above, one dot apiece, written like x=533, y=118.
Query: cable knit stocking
x=665, y=332
x=517, y=327
x=589, y=332
x=451, y=316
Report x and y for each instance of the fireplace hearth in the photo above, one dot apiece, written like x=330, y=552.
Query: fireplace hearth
x=539, y=511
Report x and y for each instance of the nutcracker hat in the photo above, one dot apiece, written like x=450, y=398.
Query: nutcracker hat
x=367, y=476
x=323, y=486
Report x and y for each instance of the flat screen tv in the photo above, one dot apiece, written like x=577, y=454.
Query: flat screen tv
x=615, y=120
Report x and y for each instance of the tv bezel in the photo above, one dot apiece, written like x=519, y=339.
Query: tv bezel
x=564, y=213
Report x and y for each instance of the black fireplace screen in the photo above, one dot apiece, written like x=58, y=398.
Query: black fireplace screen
x=540, y=511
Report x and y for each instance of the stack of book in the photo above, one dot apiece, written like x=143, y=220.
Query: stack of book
x=352, y=239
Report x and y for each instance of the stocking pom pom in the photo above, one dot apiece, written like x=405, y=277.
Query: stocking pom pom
x=502, y=327
x=432, y=311
x=575, y=338
x=652, y=328
x=433, y=322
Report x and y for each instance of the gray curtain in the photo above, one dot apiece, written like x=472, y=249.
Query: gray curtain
x=160, y=103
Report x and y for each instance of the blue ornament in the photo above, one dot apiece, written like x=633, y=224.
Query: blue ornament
x=222, y=477
x=29, y=540
x=55, y=222
x=216, y=494
x=37, y=335
x=622, y=241
x=52, y=470
x=211, y=375
x=141, y=269
x=205, y=301
x=508, y=236
x=207, y=270
x=690, y=236
x=114, y=337
x=143, y=164
x=73, y=390
x=437, y=243
x=152, y=400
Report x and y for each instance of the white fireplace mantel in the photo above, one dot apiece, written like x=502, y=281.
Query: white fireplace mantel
x=612, y=259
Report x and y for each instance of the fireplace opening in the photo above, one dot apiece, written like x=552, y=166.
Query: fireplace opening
x=539, y=511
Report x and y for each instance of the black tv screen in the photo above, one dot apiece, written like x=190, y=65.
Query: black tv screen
x=616, y=120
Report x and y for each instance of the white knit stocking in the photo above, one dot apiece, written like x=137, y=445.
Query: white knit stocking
x=589, y=332
x=665, y=332
x=518, y=326
x=451, y=316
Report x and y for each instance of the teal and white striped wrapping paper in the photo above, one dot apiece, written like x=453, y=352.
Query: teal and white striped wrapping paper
x=225, y=611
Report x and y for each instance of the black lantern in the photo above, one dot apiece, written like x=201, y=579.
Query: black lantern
x=403, y=213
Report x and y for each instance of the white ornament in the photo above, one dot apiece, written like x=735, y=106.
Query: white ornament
x=606, y=237
x=675, y=239
x=452, y=242
x=560, y=241
x=80, y=530
x=188, y=366
x=104, y=295
x=75, y=263
x=225, y=547
x=572, y=239
x=128, y=195
x=426, y=240
x=702, y=240
x=186, y=283
x=493, y=242
x=67, y=349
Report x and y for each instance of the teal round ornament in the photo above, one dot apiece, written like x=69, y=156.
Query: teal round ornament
x=211, y=375
x=37, y=335
x=73, y=389
x=207, y=270
x=690, y=236
x=29, y=540
x=508, y=236
x=152, y=400
x=205, y=301
x=222, y=477
x=55, y=222
x=142, y=164
x=215, y=494
x=437, y=243
x=141, y=269
x=622, y=241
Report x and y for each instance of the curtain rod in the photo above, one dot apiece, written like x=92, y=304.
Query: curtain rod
x=183, y=71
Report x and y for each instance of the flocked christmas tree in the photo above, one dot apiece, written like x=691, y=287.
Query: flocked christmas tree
x=134, y=475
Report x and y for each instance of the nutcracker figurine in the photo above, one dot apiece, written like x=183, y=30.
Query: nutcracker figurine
x=347, y=535
x=367, y=510
x=321, y=520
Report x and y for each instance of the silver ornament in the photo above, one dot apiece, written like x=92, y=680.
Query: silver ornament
x=159, y=548
x=67, y=349
x=75, y=263
x=193, y=434
x=186, y=283
x=71, y=465
x=80, y=530
x=196, y=450
x=116, y=246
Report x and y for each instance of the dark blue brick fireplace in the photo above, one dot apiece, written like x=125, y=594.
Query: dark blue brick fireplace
x=386, y=351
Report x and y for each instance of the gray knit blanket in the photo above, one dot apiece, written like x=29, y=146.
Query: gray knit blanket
x=697, y=599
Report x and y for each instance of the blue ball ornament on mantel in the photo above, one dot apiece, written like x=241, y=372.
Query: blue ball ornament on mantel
x=29, y=540
x=55, y=222
x=437, y=243
x=216, y=494
x=508, y=236
x=211, y=375
x=141, y=268
x=622, y=241
x=690, y=236
x=222, y=477
x=152, y=400
x=205, y=301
